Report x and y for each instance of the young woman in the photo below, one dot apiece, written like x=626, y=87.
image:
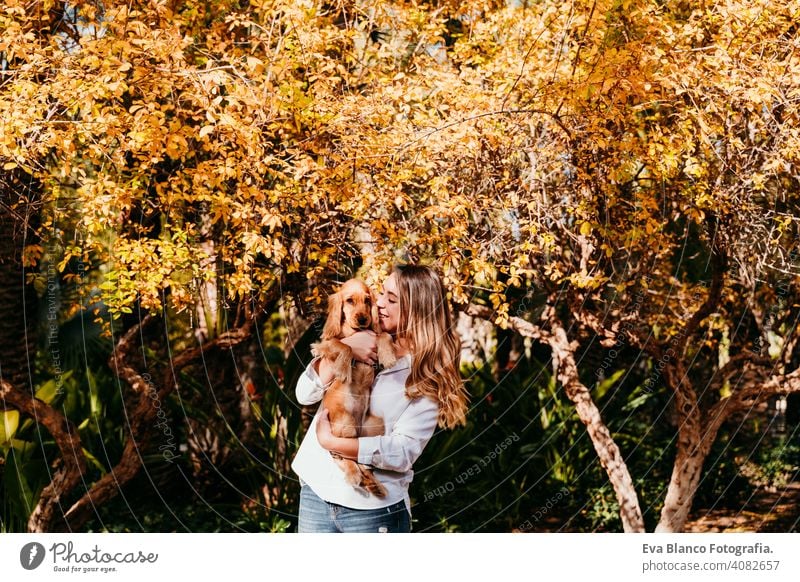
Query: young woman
x=422, y=390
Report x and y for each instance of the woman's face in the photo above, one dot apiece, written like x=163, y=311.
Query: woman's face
x=389, y=305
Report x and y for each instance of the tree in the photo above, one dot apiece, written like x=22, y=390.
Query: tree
x=618, y=158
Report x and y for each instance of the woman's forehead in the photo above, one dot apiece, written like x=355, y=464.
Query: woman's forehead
x=390, y=284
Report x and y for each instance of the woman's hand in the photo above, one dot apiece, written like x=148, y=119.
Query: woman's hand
x=345, y=447
x=324, y=434
x=364, y=345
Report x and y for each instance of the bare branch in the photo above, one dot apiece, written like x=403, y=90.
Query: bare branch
x=522, y=326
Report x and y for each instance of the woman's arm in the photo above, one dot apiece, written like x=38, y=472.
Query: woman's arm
x=346, y=447
x=394, y=452
x=312, y=385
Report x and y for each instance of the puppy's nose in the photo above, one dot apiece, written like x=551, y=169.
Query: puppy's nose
x=362, y=320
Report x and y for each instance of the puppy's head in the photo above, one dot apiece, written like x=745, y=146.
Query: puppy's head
x=349, y=310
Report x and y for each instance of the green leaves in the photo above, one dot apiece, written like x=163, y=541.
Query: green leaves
x=9, y=421
x=17, y=491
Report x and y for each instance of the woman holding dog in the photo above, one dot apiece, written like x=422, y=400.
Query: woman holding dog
x=422, y=390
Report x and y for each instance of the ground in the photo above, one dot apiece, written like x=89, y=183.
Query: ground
x=766, y=511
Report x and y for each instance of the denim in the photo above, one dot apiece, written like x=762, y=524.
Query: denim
x=319, y=516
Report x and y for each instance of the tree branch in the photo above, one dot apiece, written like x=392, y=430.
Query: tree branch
x=756, y=391
x=73, y=461
x=144, y=414
x=522, y=326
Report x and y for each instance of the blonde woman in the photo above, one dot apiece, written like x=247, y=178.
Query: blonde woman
x=424, y=389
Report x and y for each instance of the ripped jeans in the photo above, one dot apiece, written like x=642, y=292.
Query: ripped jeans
x=319, y=516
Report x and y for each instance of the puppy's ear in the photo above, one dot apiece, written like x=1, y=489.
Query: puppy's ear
x=333, y=325
x=376, y=319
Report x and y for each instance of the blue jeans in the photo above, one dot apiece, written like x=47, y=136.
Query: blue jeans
x=319, y=516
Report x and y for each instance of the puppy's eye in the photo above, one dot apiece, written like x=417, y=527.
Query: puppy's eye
x=368, y=301
x=350, y=300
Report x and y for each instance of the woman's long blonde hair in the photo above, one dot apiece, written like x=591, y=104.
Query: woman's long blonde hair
x=426, y=326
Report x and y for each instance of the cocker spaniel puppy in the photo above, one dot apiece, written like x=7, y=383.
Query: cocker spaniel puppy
x=351, y=309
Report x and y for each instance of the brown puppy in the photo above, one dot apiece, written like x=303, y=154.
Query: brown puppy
x=352, y=309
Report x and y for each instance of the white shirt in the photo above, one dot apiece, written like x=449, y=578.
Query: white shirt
x=408, y=426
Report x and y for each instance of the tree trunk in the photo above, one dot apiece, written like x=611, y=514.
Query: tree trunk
x=688, y=466
x=19, y=195
x=141, y=414
x=607, y=450
x=477, y=338
x=695, y=440
x=567, y=373
x=682, y=486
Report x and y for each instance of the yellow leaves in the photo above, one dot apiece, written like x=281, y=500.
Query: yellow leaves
x=272, y=221
x=652, y=227
x=693, y=167
x=758, y=181
x=705, y=200
x=695, y=214
x=144, y=268
x=583, y=280
x=517, y=273
x=274, y=125
x=254, y=244
x=176, y=145
x=553, y=271
x=500, y=307
x=31, y=254
x=255, y=65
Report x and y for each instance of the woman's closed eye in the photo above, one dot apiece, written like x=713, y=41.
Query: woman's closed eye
x=390, y=297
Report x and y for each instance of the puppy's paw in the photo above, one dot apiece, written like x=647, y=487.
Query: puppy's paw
x=343, y=367
x=386, y=354
x=372, y=426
